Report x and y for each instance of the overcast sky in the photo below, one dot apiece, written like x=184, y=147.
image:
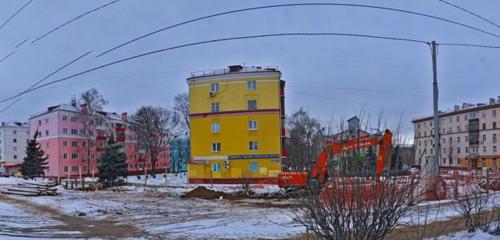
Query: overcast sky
x=320, y=71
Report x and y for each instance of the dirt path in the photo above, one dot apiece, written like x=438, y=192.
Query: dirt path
x=89, y=228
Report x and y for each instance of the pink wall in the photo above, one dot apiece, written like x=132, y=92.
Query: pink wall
x=53, y=145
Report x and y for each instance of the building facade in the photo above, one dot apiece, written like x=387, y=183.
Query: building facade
x=237, y=125
x=13, y=140
x=469, y=136
x=63, y=137
x=180, y=152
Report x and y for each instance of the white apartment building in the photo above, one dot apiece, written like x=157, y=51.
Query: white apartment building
x=13, y=140
x=469, y=136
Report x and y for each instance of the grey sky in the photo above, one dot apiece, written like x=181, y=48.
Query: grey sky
x=314, y=67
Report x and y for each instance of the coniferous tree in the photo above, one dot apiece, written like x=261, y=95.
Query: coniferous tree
x=112, y=163
x=35, y=162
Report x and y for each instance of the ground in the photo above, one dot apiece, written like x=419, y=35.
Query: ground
x=158, y=212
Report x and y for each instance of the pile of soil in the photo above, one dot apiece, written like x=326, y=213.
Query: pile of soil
x=205, y=193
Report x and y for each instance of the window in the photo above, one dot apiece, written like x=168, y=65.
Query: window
x=15, y=157
x=39, y=122
x=46, y=132
x=215, y=107
x=65, y=130
x=14, y=140
x=216, y=147
x=65, y=143
x=253, y=146
x=65, y=169
x=74, y=144
x=494, y=125
x=216, y=167
x=484, y=148
x=458, y=139
x=74, y=119
x=74, y=155
x=252, y=104
x=458, y=129
x=65, y=118
x=14, y=132
x=74, y=131
x=214, y=87
x=254, y=167
x=46, y=120
x=65, y=156
x=252, y=125
x=494, y=149
x=251, y=85
x=466, y=149
x=215, y=127
x=458, y=149
x=494, y=137
x=484, y=137
x=494, y=113
x=458, y=118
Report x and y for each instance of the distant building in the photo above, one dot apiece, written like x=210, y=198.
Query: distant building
x=353, y=131
x=180, y=152
x=63, y=138
x=468, y=136
x=237, y=125
x=13, y=139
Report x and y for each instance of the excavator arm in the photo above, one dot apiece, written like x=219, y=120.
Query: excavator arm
x=320, y=169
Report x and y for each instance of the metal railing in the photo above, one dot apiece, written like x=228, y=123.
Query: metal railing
x=227, y=70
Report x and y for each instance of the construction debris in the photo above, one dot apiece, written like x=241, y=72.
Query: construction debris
x=29, y=188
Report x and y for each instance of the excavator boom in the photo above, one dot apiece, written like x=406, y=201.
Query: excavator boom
x=320, y=169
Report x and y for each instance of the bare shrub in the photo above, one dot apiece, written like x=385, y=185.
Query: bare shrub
x=355, y=207
x=474, y=208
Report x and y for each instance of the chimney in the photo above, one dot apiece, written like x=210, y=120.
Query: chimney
x=125, y=116
x=457, y=107
x=492, y=101
x=235, y=68
x=464, y=105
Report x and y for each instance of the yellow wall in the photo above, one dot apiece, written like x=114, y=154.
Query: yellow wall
x=233, y=95
x=234, y=135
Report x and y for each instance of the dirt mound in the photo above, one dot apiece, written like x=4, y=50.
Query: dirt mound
x=205, y=193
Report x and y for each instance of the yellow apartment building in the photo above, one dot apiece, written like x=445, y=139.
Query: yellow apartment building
x=237, y=131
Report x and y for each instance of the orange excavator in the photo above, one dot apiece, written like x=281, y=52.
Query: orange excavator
x=317, y=175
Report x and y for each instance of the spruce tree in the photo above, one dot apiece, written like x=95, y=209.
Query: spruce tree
x=35, y=163
x=112, y=163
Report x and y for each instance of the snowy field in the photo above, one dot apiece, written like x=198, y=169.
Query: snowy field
x=157, y=211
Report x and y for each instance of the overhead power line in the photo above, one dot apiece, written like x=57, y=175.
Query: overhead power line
x=10, y=105
x=469, y=12
x=21, y=43
x=469, y=45
x=230, y=39
x=17, y=12
x=8, y=55
x=45, y=78
x=297, y=5
x=72, y=20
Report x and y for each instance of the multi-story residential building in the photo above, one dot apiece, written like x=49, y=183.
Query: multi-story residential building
x=469, y=136
x=13, y=139
x=237, y=125
x=63, y=138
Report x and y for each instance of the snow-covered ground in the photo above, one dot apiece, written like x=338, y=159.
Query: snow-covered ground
x=159, y=212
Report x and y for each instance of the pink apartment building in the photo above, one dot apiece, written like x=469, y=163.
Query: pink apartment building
x=62, y=137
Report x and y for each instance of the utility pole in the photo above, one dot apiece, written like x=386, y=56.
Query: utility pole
x=434, y=166
x=430, y=171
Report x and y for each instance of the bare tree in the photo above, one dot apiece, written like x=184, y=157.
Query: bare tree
x=355, y=207
x=90, y=103
x=181, y=106
x=305, y=140
x=155, y=127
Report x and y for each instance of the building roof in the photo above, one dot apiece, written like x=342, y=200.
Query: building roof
x=233, y=70
x=71, y=108
x=14, y=124
x=465, y=109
